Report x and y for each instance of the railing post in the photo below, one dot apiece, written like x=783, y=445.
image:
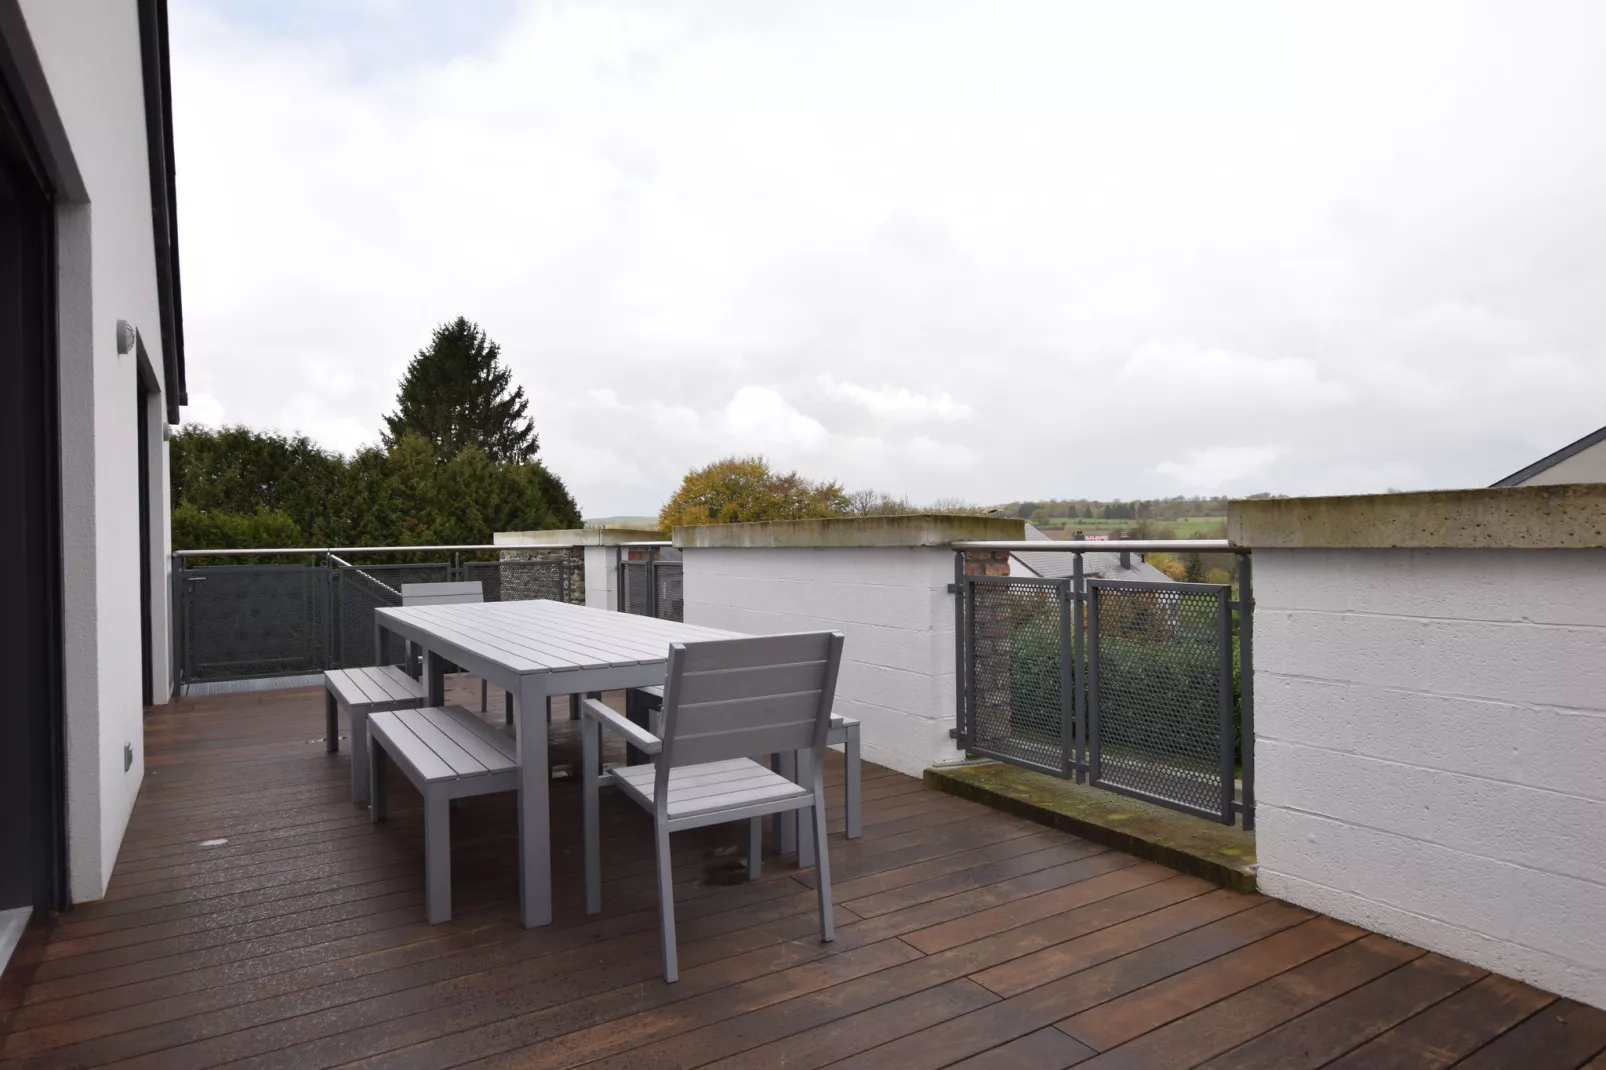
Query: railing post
x=652, y=581
x=1068, y=762
x=1079, y=664
x=961, y=669
x=1246, y=688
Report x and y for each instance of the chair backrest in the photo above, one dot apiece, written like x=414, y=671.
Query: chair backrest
x=442, y=594
x=740, y=698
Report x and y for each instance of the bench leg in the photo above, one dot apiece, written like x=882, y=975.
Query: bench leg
x=378, y=789
x=485, y=694
x=359, y=755
x=755, y=848
x=331, y=723
x=850, y=776
x=805, y=842
x=437, y=856
x=666, y=905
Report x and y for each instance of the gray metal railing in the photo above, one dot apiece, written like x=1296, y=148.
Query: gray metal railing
x=1143, y=687
x=256, y=620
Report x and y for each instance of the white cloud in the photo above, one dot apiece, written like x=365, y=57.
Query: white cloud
x=760, y=416
x=897, y=403
x=1208, y=469
x=1039, y=250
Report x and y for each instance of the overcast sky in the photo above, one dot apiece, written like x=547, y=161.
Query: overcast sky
x=981, y=249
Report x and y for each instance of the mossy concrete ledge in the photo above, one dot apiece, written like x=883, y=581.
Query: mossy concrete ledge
x=1563, y=516
x=1224, y=854
x=579, y=537
x=919, y=529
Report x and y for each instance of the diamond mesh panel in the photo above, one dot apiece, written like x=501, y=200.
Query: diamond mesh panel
x=1016, y=706
x=1156, y=706
x=671, y=597
x=516, y=581
x=254, y=620
x=363, y=589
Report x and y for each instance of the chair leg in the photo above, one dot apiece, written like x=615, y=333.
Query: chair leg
x=755, y=848
x=822, y=863
x=331, y=723
x=806, y=774
x=590, y=732
x=359, y=755
x=485, y=694
x=378, y=790
x=850, y=776
x=666, y=905
x=437, y=856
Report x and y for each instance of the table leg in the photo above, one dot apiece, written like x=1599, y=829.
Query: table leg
x=786, y=821
x=535, y=847
x=381, y=634
x=434, y=679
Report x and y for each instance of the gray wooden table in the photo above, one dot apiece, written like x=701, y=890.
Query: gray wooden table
x=533, y=650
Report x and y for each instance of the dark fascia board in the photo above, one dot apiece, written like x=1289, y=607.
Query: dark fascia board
x=164, y=203
x=1516, y=479
x=24, y=79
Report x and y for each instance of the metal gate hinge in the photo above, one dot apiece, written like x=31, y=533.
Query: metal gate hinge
x=953, y=588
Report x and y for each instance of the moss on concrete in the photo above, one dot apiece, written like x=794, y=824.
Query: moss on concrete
x=1224, y=854
x=922, y=529
x=579, y=537
x=1567, y=516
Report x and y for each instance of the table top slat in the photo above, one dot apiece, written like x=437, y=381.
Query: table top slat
x=541, y=636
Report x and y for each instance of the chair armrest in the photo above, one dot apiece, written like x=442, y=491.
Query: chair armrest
x=635, y=734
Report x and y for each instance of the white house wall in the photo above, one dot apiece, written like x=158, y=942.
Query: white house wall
x=891, y=604
x=90, y=53
x=1430, y=730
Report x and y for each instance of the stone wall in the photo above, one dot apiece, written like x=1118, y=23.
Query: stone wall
x=556, y=572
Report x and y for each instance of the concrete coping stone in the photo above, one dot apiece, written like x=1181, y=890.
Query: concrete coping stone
x=1563, y=516
x=578, y=537
x=920, y=529
x=1224, y=854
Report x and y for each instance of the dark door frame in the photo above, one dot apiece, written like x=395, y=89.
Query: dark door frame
x=33, y=755
x=146, y=386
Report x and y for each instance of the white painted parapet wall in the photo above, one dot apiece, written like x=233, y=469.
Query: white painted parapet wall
x=881, y=581
x=1430, y=693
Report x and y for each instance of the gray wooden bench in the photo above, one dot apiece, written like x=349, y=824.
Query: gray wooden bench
x=844, y=733
x=361, y=692
x=447, y=753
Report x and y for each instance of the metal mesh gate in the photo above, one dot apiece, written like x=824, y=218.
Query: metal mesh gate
x=253, y=620
x=1129, y=684
x=652, y=588
x=1160, y=693
x=1020, y=675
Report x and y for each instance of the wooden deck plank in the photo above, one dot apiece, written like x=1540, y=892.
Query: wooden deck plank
x=964, y=936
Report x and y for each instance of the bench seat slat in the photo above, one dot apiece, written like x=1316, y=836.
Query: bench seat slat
x=402, y=743
x=462, y=763
x=464, y=730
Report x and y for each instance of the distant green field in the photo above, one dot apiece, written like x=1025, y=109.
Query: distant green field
x=1178, y=528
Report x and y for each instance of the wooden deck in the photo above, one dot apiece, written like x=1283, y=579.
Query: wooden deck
x=964, y=937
